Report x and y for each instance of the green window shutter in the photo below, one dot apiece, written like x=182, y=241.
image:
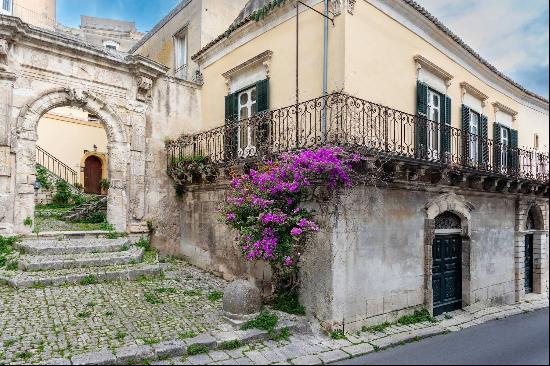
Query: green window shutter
x=421, y=132
x=483, y=142
x=465, y=134
x=231, y=130
x=513, y=156
x=496, y=147
x=446, y=128
x=262, y=93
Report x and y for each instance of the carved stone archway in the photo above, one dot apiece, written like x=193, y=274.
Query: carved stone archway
x=26, y=136
x=537, y=210
x=448, y=202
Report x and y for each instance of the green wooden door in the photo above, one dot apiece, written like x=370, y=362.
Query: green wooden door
x=528, y=263
x=447, y=273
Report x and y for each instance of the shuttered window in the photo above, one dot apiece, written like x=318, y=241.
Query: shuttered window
x=242, y=138
x=433, y=125
x=505, y=149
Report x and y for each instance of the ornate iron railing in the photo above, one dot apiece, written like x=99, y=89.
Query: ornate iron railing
x=56, y=166
x=362, y=126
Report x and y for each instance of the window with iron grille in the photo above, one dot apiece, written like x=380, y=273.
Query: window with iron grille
x=6, y=7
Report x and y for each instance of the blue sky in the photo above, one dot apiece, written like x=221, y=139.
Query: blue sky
x=510, y=34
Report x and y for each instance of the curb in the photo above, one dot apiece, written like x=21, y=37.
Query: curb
x=175, y=348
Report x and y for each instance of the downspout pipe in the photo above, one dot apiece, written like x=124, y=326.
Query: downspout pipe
x=325, y=68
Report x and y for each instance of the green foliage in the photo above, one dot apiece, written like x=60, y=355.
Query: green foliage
x=419, y=316
x=120, y=335
x=88, y=280
x=193, y=292
x=27, y=221
x=109, y=313
x=282, y=335
x=215, y=295
x=264, y=11
x=288, y=302
x=10, y=342
x=264, y=321
x=91, y=304
x=63, y=193
x=190, y=169
x=187, y=335
x=42, y=177
x=25, y=355
x=95, y=218
x=84, y=314
x=151, y=298
x=376, y=328
x=115, y=235
x=150, y=341
x=337, y=334
x=196, y=349
x=143, y=243
x=104, y=184
x=230, y=345
x=6, y=250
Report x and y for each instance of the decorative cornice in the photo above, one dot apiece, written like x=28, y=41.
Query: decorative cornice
x=424, y=63
x=473, y=91
x=501, y=107
x=264, y=58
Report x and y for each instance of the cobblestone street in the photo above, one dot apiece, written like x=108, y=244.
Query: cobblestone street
x=37, y=324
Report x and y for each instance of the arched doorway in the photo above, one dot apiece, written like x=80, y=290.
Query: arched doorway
x=533, y=225
x=447, y=263
x=92, y=175
x=118, y=150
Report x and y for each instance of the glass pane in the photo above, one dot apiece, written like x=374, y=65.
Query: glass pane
x=244, y=113
x=254, y=108
x=436, y=100
x=253, y=94
x=244, y=98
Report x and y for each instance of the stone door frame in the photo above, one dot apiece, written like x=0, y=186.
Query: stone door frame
x=540, y=247
x=26, y=136
x=456, y=204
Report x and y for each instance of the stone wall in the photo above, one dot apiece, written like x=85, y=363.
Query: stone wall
x=368, y=264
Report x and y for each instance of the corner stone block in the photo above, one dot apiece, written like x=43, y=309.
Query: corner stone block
x=132, y=354
x=104, y=357
x=170, y=349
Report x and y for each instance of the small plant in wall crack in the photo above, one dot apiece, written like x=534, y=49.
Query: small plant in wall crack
x=27, y=221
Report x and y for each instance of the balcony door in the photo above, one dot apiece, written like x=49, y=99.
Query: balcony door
x=246, y=139
x=433, y=128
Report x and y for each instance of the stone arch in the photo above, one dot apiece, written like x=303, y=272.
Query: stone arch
x=26, y=137
x=457, y=205
x=539, y=212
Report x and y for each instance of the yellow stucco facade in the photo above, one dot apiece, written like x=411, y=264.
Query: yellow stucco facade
x=67, y=134
x=377, y=51
x=40, y=13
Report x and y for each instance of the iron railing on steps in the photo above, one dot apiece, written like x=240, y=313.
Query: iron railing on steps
x=56, y=166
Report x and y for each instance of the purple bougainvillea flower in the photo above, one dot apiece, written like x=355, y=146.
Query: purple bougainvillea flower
x=230, y=216
x=288, y=261
x=296, y=231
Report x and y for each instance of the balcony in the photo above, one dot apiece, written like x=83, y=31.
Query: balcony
x=411, y=146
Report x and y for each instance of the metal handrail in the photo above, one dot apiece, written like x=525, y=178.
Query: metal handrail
x=358, y=125
x=55, y=166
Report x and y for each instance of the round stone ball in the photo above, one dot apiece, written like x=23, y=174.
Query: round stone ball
x=241, y=298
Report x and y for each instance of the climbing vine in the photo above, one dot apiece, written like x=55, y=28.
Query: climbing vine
x=264, y=206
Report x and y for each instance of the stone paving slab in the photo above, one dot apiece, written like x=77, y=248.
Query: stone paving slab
x=72, y=246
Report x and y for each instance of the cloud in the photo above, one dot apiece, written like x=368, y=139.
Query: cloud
x=510, y=34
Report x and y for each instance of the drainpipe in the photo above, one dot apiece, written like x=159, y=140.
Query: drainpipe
x=325, y=68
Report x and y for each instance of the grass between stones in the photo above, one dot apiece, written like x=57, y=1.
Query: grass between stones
x=215, y=295
x=419, y=316
x=197, y=349
x=337, y=334
x=89, y=280
x=231, y=345
x=151, y=298
x=187, y=335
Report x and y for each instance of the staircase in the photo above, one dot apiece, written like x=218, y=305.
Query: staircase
x=77, y=259
x=55, y=166
x=87, y=209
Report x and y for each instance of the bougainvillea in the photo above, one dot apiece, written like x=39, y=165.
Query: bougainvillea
x=264, y=205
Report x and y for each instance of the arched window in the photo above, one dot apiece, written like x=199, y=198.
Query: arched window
x=530, y=222
x=447, y=220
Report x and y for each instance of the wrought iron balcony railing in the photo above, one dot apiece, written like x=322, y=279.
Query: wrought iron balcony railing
x=343, y=120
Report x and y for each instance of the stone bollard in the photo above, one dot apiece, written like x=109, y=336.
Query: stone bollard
x=242, y=301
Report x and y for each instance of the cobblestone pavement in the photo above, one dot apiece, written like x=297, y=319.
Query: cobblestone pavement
x=320, y=349
x=38, y=324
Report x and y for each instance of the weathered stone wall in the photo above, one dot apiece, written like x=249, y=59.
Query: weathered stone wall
x=368, y=263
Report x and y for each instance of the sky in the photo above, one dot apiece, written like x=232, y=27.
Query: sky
x=510, y=34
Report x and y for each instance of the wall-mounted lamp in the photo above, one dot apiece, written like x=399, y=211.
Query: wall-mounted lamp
x=37, y=185
x=95, y=147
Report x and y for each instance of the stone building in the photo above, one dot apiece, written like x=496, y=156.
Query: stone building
x=463, y=148
x=464, y=151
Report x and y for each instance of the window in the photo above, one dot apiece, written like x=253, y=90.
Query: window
x=505, y=142
x=474, y=137
x=247, y=108
x=434, y=112
x=92, y=118
x=111, y=45
x=180, y=54
x=6, y=7
x=536, y=142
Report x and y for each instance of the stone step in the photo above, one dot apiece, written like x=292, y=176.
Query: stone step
x=79, y=275
x=73, y=246
x=60, y=235
x=66, y=261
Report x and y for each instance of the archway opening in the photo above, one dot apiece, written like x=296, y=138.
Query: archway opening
x=70, y=151
x=533, y=224
x=447, y=263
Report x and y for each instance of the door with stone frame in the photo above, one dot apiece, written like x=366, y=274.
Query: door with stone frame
x=92, y=175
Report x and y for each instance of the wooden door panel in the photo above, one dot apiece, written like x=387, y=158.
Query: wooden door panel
x=447, y=273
